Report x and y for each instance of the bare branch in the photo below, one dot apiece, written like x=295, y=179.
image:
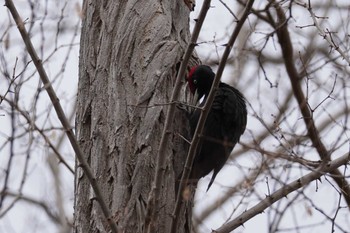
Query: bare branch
x=19, y=196
x=327, y=35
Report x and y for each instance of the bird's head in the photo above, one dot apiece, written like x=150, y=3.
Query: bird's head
x=200, y=79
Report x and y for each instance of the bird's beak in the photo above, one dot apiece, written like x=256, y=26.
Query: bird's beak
x=195, y=99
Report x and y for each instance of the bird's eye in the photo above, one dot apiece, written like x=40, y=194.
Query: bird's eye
x=194, y=81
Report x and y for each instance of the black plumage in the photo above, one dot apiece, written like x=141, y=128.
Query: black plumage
x=224, y=125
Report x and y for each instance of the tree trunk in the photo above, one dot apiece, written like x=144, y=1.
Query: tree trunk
x=130, y=51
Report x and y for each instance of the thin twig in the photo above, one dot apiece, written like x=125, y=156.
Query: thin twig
x=327, y=35
x=18, y=196
x=12, y=154
x=58, y=195
x=60, y=114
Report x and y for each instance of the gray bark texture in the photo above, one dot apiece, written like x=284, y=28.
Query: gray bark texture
x=130, y=51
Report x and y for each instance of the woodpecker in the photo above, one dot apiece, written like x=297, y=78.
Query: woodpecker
x=225, y=123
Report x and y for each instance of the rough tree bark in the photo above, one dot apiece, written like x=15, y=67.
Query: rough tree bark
x=129, y=54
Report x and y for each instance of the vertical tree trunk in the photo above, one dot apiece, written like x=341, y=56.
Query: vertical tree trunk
x=128, y=59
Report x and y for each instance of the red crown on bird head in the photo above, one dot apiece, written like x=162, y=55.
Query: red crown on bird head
x=189, y=79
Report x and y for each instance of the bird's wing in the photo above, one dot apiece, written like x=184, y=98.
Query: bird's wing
x=231, y=104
